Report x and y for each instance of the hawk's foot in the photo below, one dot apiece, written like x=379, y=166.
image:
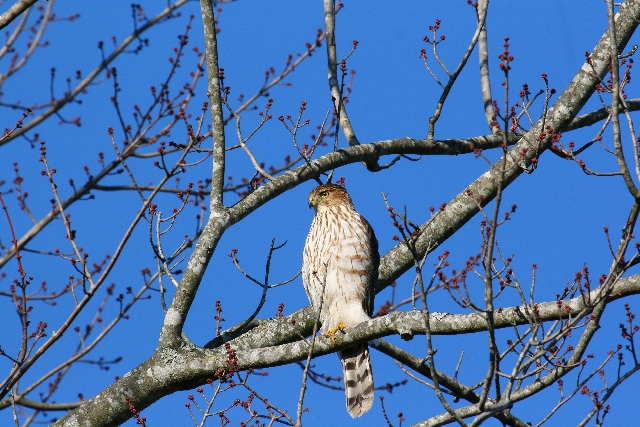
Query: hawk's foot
x=332, y=332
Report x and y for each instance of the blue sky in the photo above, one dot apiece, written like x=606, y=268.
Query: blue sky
x=558, y=225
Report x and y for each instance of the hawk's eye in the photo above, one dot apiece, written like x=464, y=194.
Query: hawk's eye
x=324, y=194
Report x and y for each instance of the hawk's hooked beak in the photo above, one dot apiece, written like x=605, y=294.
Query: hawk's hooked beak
x=312, y=202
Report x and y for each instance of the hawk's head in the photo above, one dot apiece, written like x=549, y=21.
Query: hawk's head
x=327, y=195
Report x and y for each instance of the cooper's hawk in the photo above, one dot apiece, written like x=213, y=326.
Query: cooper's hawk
x=341, y=256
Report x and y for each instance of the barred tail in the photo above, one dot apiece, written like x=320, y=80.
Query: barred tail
x=358, y=379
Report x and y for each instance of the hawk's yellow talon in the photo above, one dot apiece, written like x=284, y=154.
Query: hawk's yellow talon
x=332, y=332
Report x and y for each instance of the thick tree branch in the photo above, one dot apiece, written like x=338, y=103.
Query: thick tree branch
x=596, y=116
x=520, y=157
x=418, y=365
x=183, y=367
x=408, y=324
x=180, y=366
x=287, y=181
x=393, y=146
x=348, y=155
x=14, y=11
x=218, y=220
x=458, y=212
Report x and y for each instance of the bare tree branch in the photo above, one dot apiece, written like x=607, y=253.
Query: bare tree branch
x=183, y=367
x=14, y=11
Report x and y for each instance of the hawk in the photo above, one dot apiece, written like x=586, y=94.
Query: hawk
x=341, y=257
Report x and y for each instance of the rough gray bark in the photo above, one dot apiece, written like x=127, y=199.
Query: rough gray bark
x=184, y=366
x=177, y=365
